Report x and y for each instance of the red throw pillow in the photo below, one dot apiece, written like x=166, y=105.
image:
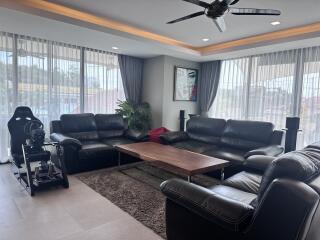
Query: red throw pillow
x=154, y=134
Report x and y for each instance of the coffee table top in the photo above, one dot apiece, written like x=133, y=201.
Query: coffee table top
x=184, y=161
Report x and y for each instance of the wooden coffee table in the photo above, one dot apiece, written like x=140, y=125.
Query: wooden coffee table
x=174, y=159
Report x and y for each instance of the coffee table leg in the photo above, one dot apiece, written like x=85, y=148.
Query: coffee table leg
x=222, y=174
x=119, y=159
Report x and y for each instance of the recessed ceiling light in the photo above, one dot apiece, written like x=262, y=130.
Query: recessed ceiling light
x=275, y=23
x=205, y=39
x=115, y=48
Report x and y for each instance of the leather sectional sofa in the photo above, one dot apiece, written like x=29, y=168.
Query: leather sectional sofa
x=232, y=140
x=88, y=140
x=274, y=198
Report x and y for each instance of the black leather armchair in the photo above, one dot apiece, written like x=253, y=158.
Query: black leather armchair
x=279, y=203
x=88, y=140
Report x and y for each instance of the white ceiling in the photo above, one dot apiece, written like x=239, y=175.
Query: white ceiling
x=152, y=15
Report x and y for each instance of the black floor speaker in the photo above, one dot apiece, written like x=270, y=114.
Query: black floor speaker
x=182, y=119
x=292, y=129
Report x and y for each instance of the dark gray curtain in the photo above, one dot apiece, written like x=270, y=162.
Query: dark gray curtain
x=209, y=81
x=131, y=69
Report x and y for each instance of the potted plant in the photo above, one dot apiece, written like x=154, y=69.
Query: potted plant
x=137, y=116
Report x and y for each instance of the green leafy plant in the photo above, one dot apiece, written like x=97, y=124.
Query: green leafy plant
x=138, y=116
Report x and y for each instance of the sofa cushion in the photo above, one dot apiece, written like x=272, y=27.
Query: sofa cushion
x=235, y=156
x=247, y=135
x=194, y=146
x=245, y=181
x=233, y=193
x=80, y=126
x=94, y=149
x=117, y=141
x=208, y=130
x=109, y=125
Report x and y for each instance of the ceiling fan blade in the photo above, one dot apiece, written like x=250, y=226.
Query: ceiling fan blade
x=253, y=11
x=220, y=23
x=234, y=2
x=199, y=3
x=187, y=17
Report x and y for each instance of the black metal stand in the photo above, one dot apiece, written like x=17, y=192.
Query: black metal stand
x=35, y=180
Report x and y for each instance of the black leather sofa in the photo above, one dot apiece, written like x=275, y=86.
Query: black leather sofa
x=88, y=140
x=232, y=140
x=275, y=198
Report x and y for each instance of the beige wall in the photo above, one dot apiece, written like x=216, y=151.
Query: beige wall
x=153, y=72
x=158, y=91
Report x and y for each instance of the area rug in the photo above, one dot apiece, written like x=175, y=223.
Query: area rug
x=135, y=189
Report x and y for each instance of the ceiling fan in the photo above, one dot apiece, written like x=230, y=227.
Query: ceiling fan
x=218, y=8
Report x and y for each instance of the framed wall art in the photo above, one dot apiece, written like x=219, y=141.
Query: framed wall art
x=185, y=84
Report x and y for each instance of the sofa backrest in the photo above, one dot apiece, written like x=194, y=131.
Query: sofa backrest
x=302, y=165
x=80, y=126
x=55, y=126
x=247, y=135
x=109, y=125
x=207, y=130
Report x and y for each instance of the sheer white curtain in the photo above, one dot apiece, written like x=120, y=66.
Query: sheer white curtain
x=271, y=87
x=47, y=76
x=6, y=91
x=102, y=82
x=310, y=97
x=65, y=82
x=33, y=76
x=232, y=90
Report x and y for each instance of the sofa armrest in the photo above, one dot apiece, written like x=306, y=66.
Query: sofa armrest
x=228, y=213
x=136, y=135
x=258, y=162
x=273, y=150
x=64, y=140
x=173, y=137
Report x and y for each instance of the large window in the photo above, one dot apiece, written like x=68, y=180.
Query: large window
x=48, y=77
x=102, y=81
x=270, y=87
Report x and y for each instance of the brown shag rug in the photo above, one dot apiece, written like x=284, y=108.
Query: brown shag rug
x=135, y=189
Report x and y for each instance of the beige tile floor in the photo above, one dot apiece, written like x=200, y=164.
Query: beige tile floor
x=77, y=213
